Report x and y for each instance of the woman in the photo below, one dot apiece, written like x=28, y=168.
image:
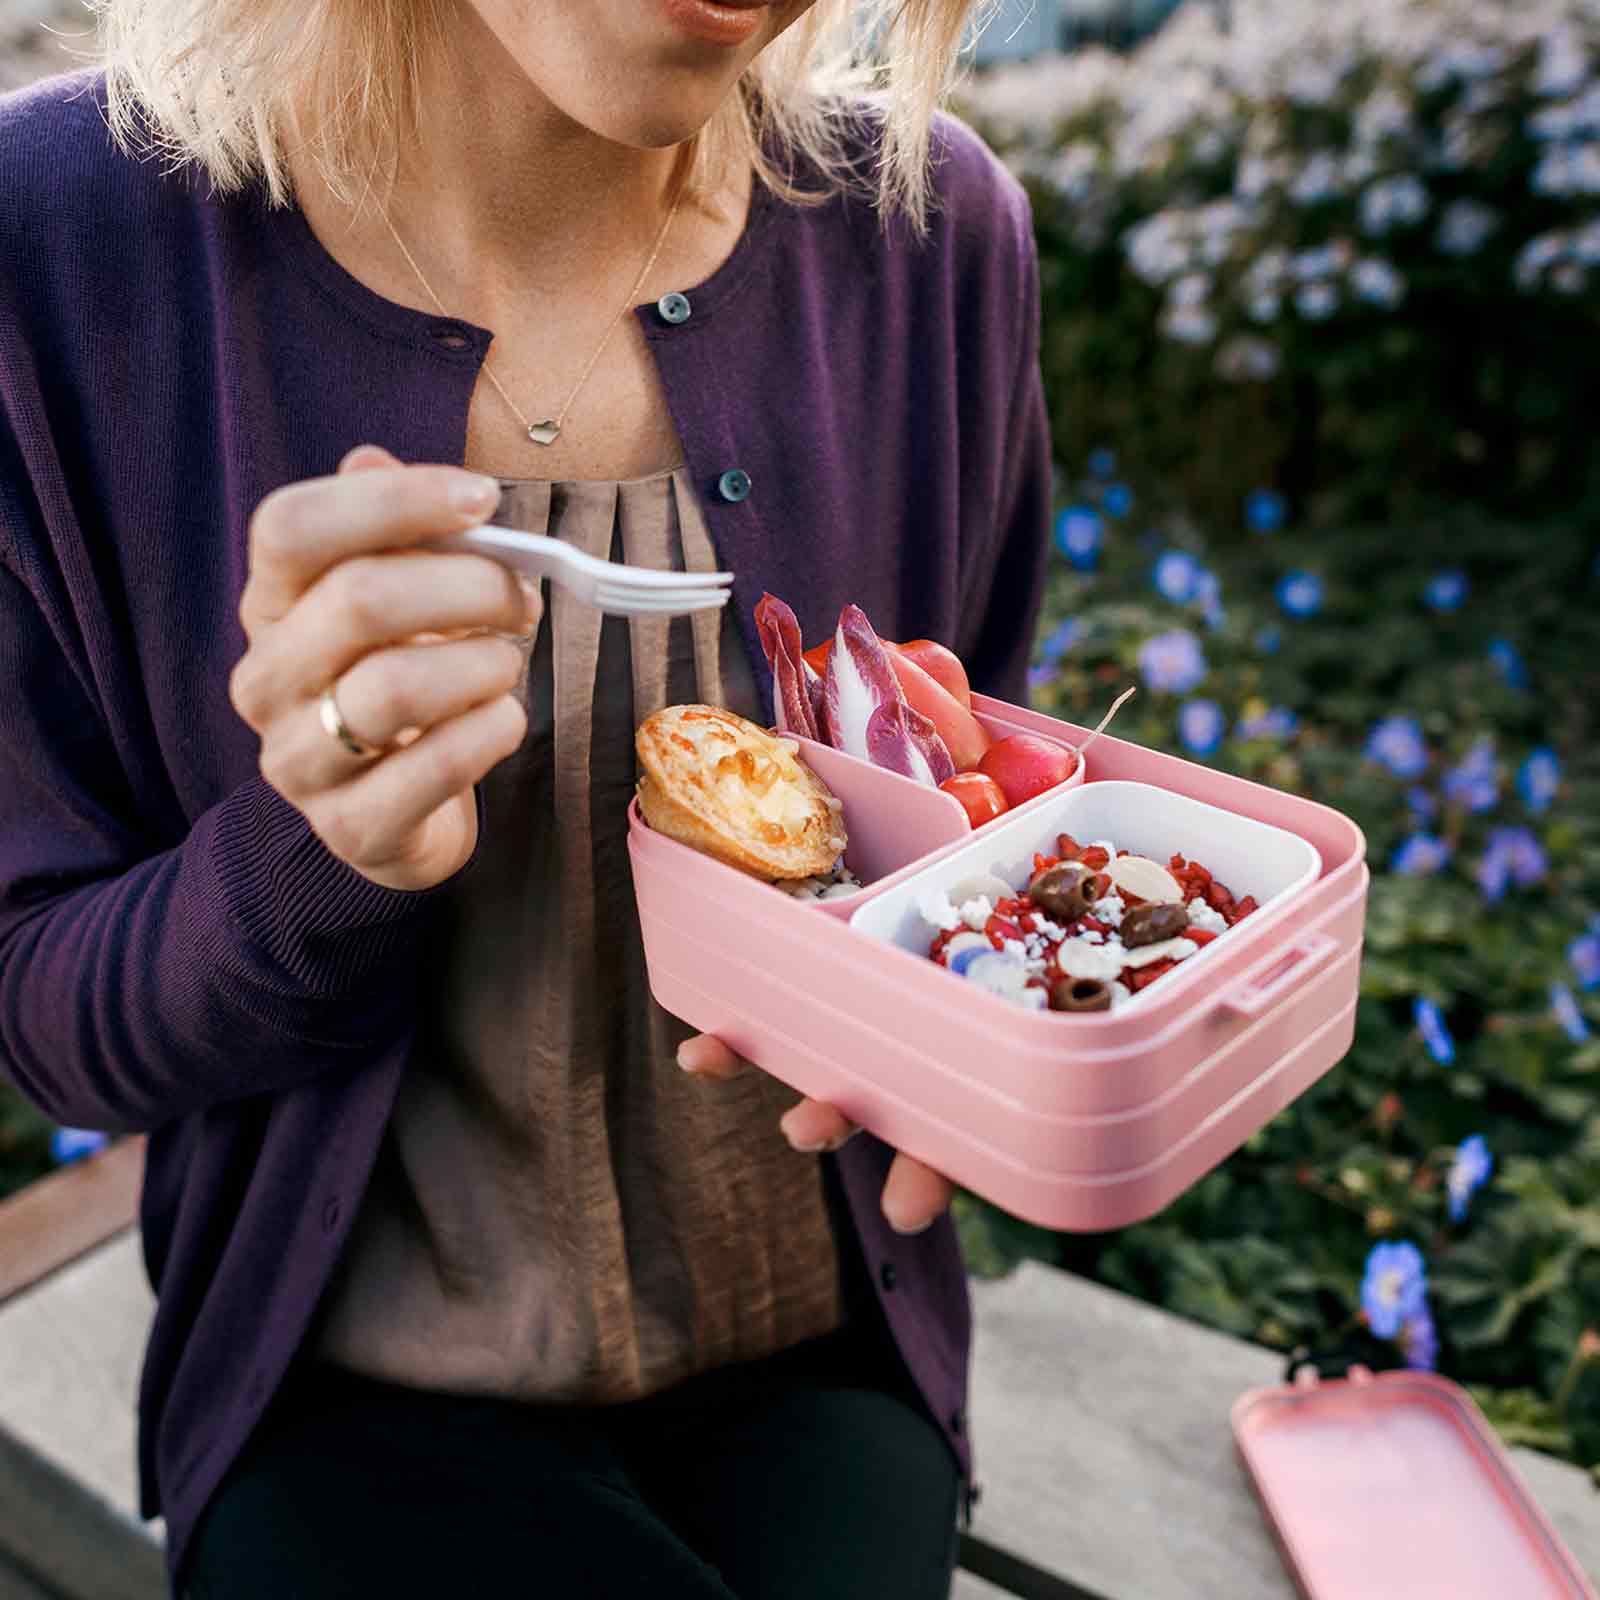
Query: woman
x=312, y=857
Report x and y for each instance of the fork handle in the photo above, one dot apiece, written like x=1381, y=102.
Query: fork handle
x=524, y=552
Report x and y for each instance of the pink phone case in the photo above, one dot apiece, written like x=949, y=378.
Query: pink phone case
x=1077, y=1122
x=1394, y=1485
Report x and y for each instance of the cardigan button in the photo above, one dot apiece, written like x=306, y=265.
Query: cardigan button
x=330, y=1214
x=673, y=307
x=734, y=484
x=886, y=1274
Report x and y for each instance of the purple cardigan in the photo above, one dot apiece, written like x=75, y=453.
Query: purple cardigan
x=178, y=952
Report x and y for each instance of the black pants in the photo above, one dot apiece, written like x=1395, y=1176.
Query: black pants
x=814, y=1475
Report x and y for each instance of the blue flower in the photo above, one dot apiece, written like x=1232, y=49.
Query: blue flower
x=1102, y=462
x=1061, y=639
x=1564, y=1007
x=1468, y=1173
x=1270, y=640
x=1539, y=778
x=1079, y=536
x=1040, y=674
x=1420, y=855
x=1177, y=575
x=1201, y=726
x=1514, y=855
x=1395, y=1287
x=1117, y=500
x=1419, y=1340
x=1265, y=510
x=1435, y=1030
x=1300, y=594
x=1475, y=784
x=72, y=1144
x=1584, y=954
x=1424, y=806
x=1208, y=591
x=1396, y=743
x=1446, y=591
x=1173, y=661
x=1509, y=662
x=1279, y=722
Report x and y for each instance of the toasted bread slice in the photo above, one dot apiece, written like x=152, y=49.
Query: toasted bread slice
x=722, y=785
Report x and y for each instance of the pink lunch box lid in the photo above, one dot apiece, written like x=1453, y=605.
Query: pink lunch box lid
x=1395, y=1486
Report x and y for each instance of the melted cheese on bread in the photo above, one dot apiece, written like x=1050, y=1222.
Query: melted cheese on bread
x=723, y=785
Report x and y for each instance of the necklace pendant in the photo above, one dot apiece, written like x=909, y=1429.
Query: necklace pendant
x=545, y=432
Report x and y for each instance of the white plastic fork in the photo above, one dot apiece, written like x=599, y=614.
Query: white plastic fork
x=608, y=586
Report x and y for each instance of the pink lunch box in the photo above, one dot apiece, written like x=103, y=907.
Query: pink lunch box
x=1077, y=1122
x=1395, y=1485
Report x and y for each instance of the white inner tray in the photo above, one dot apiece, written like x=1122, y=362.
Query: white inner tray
x=1250, y=857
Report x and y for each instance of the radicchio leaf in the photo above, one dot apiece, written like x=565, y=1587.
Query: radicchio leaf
x=865, y=709
x=796, y=688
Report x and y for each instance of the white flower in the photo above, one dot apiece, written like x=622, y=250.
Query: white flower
x=1319, y=263
x=1190, y=291
x=1465, y=226
x=1316, y=302
x=1258, y=174
x=1190, y=325
x=1378, y=283
x=1319, y=180
x=1586, y=243
x=1569, y=278
x=1158, y=248
x=1393, y=202
x=1265, y=307
x=1563, y=62
x=1537, y=256
x=1244, y=358
x=1314, y=81
x=1382, y=115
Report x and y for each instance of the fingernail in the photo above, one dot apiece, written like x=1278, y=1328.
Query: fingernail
x=921, y=1227
x=535, y=603
x=473, y=494
x=684, y=1064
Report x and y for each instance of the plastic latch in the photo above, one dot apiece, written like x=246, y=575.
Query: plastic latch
x=1281, y=972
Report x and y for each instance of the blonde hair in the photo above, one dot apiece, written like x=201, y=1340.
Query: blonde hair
x=221, y=84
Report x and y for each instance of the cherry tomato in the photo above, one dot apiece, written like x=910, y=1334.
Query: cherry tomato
x=981, y=797
x=1025, y=764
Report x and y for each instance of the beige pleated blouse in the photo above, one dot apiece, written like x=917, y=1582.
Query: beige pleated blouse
x=558, y=1212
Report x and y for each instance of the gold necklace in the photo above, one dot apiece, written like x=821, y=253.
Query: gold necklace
x=548, y=431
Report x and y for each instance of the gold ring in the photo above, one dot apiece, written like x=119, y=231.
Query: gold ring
x=334, y=725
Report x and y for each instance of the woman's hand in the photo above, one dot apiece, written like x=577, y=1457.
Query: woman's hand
x=334, y=598
x=913, y=1195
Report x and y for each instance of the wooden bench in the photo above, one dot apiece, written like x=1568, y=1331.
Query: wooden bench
x=1105, y=1459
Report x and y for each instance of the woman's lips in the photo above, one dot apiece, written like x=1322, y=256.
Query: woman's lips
x=726, y=22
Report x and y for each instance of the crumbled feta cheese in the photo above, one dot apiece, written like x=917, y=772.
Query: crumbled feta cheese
x=1092, y=937
x=935, y=909
x=1120, y=995
x=977, y=911
x=1111, y=909
x=1015, y=949
x=1049, y=929
x=1036, y=999
x=1206, y=919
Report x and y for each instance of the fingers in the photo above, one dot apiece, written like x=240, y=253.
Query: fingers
x=812, y=1126
x=709, y=1057
x=412, y=687
x=375, y=820
x=364, y=604
x=373, y=502
x=914, y=1195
